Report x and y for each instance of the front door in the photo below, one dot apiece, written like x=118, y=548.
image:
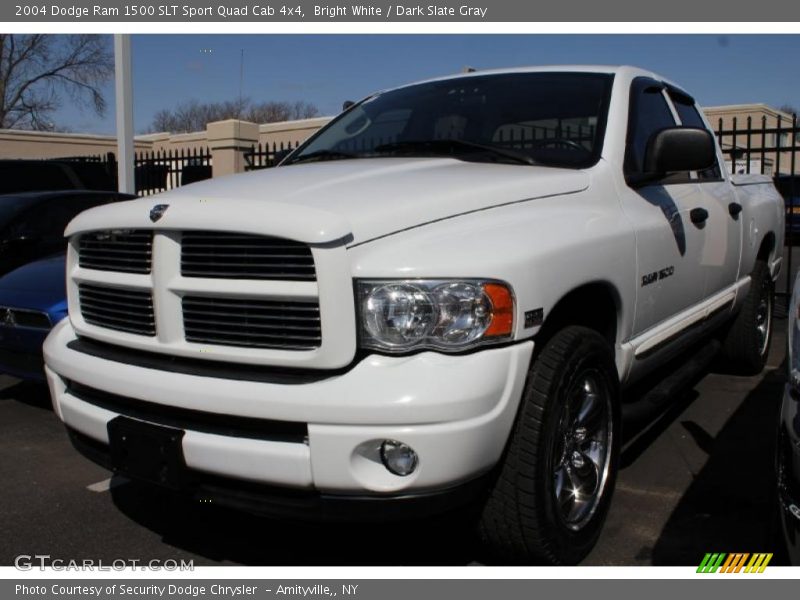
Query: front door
x=669, y=241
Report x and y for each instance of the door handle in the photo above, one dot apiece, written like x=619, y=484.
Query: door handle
x=698, y=215
x=734, y=208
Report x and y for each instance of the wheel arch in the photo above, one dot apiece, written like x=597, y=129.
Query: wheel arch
x=766, y=250
x=604, y=315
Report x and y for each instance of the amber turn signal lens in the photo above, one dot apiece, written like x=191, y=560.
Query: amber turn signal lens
x=502, y=310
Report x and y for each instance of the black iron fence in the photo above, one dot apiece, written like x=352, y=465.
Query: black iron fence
x=160, y=170
x=163, y=170
x=264, y=156
x=90, y=158
x=752, y=146
x=756, y=148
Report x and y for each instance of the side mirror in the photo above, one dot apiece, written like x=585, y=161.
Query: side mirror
x=679, y=149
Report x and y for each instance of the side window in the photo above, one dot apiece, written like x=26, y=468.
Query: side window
x=690, y=117
x=687, y=113
x=649, y=113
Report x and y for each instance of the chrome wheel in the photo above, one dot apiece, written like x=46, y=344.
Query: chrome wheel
x=746, y=341
x=764, y=318
x=583, y=449
x=550, y=498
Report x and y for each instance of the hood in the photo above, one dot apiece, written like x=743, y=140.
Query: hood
x=327, y=201
x=39, y=285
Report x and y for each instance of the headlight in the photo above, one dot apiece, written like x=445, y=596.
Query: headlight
x=397, y=316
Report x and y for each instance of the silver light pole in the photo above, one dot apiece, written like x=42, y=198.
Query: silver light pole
x=124, y=102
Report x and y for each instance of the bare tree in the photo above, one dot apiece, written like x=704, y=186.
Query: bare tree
x=194, y=115
x=36, y=70
x=789, y=109
x=271, y=112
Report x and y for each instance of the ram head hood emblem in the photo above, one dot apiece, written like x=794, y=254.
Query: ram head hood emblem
x=158, y=211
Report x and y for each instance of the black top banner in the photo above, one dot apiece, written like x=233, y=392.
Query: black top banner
x=32, y=11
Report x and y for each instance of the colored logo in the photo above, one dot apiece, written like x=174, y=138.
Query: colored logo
x=158, y=211
x=734, y=563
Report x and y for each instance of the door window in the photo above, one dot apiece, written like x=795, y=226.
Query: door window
x=690, y=117
x=649, y=113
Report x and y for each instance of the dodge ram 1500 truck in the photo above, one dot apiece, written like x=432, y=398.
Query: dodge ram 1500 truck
x=438, y=298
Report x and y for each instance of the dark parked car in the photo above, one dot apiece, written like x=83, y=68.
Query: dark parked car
x=789, y=187
x=32, y=300
x=32, y=224
x=788, y=455
x=18, y=176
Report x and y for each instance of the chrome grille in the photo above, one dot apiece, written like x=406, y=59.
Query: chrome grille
x=126, y=250
x=122, y=309
x=252, y=323
x=240, y=256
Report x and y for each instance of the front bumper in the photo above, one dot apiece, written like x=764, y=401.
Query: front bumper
x=307, y=504
x=455, y=411
x=788, y=467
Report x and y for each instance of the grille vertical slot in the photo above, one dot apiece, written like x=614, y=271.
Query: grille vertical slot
x=252, y=323
x=117, y=308
x=225, y=255
x=124, y=250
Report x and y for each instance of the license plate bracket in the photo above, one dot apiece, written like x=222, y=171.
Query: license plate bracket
x=146, y=451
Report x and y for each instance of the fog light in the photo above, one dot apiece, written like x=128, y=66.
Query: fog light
x=398, y=458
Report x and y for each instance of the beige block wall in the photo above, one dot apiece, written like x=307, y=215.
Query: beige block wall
x=290, y=132
x=36, y=144
x=758, y=115
x=177, y=142
x=228, y=141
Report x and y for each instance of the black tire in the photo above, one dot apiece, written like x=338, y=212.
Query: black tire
x=522, y=521
x=745, y=348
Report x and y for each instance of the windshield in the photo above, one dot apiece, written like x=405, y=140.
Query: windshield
x=554, y=119
x=12, y=206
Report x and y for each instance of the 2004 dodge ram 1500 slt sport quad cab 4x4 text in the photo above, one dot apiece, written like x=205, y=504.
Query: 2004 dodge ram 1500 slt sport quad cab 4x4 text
x=438, y=296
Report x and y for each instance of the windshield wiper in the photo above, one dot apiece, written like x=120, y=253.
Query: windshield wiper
x=454, y=147
x=323, y=155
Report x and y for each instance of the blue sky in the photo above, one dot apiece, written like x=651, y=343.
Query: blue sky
x=328, y=69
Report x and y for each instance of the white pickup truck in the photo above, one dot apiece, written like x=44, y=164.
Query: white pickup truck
x=439, y=298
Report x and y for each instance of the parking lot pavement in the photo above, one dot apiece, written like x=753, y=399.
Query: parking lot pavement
x=702, y=479
x=697, y=480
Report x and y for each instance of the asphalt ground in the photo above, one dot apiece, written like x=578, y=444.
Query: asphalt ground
x=698, y=479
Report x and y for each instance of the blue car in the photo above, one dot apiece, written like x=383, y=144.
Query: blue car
x=32, y=300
